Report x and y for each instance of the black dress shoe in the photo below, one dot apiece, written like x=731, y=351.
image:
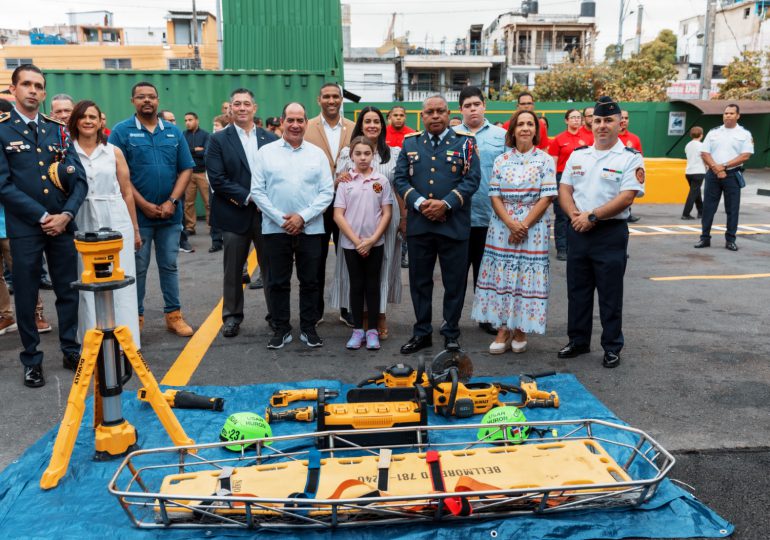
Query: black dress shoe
x=416, y=343
x=33, y=376
x=632, y=219
x=46, y=284
x=451, y=344
x=702, y=244
x=571, y=350
x=611, y=360
x=731, y=246
x=245, y=279
x=231, y=329
x=215, y=247
x=488, y=328
x=257, y=283
x=687, y=217
x=70, y=361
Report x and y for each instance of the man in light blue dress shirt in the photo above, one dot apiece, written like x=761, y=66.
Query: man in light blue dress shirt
x=292, y=185
x=490, y=141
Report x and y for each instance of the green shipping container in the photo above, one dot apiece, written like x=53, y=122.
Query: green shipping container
x=181, y=91
x=303, y=35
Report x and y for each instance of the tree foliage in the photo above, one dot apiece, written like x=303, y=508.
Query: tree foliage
x=742, y=76
x=576, y=82
x=508, y=92
x=643, y=77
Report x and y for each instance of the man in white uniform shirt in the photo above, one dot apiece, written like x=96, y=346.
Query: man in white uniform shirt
x=292, y=185
x=725, y=150
x=597, y=187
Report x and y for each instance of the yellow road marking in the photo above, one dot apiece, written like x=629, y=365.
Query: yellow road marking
x=728, y=276
x=188, y=360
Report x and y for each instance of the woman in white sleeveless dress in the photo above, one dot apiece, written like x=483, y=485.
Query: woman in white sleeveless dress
x=371, y=124
x=110, y=203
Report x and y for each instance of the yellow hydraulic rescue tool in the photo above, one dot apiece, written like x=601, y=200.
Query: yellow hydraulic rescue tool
x=114, y=436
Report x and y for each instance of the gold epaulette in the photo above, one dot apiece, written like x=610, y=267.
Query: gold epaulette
x=5, y=116
x=54, y=120
x=466, y=133
x=414, y=134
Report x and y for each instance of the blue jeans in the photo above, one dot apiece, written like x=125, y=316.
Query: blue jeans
x=166, y=238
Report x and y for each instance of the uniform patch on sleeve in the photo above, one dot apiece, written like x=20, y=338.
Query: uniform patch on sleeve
x=640, y=175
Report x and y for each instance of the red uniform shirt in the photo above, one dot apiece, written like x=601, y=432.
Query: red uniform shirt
x=395, y=137
x=544, y=140
x=588, y=135
x=629, y=139
x=562, y=146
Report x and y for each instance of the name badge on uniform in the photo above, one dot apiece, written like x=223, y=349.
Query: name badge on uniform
x=611, y=174
x=136, y=134
x=577, y=170
x=171, y=135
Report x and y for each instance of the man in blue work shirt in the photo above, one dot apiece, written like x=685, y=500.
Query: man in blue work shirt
x=160, y=164
x=490, y=141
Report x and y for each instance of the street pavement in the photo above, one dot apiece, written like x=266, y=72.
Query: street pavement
x=695, y=373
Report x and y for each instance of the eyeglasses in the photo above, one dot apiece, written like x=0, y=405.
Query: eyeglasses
x=574, y=118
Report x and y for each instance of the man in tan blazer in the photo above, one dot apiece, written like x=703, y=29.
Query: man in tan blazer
x=331, y=132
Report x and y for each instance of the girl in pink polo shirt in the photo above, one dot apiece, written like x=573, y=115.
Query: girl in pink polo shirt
x=362, y=210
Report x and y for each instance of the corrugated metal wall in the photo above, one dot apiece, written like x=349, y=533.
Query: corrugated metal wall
x=284, y=35
x=181, y=91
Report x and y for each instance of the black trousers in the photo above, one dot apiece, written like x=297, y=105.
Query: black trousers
x=453, y=259
x=331, y=231
x=596, y=261
x=364, y=284
x=27, y=253
x=476, y=243
x=711, y=195
x=560, y=221
x=236, y=250
x=694, y=196
x=281, y=251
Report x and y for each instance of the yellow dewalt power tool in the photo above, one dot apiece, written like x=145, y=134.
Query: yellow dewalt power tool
x=283, y=397
x=454, y=395
x=399, y=376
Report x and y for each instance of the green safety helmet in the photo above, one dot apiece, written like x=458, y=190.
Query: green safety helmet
x=503, y=415
x=244, y=425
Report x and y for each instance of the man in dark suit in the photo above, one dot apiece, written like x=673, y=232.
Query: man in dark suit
x=230, y=159
x=42, y=185
x=437, y=173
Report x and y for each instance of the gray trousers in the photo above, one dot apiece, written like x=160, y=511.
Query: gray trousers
x=236, y=250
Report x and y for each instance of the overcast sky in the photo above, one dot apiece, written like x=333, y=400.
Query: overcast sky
x=431, y=19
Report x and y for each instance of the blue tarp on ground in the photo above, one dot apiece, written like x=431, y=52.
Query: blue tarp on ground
x=81, y=506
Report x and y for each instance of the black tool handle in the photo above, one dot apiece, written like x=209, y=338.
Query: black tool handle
x=190, y=400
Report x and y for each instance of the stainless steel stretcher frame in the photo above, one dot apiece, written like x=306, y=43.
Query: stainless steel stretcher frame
x=139, y=481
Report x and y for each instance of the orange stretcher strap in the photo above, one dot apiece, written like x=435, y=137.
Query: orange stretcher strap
x=457, y=506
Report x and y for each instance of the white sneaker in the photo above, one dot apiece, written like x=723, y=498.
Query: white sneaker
x=518, y=346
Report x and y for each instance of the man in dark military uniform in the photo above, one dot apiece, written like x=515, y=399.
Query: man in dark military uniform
x=42, y=185
x=437, y=173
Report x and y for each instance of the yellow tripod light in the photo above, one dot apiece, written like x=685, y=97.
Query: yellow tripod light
x=101, y=356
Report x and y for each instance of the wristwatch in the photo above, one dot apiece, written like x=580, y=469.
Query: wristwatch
x=592, y=218
x=174, y=201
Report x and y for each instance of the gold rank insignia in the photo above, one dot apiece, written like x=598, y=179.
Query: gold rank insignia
x=415, y=134
x=54, y=120
x=4, y=116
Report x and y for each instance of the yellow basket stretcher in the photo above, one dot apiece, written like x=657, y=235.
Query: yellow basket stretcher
x=269, y=488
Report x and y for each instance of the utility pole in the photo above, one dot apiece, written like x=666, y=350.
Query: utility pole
x=619, y=44
x=707, y=64
x=639, y=13
x=219, y=35
x=196, y=49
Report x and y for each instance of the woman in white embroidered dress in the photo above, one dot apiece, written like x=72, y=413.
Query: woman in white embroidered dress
x=110, y=203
